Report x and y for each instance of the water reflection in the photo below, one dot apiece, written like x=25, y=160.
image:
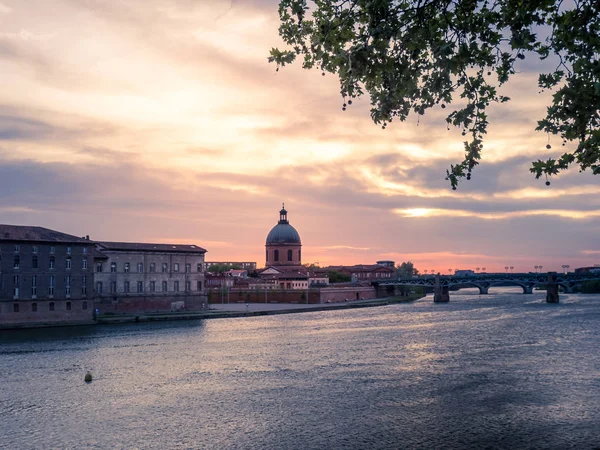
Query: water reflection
x=502, y=370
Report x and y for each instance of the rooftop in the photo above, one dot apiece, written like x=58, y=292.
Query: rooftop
x=38, y=234
x=145, y=247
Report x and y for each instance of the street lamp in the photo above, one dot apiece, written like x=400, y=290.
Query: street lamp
x=541, y=267
x=449, y=271
x=511, y=269
x=566, y=268
x=536, y=268
x=506, y=268
x=483, y=269
x=477, y=269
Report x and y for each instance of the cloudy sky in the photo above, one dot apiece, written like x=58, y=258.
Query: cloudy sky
x=162, y=121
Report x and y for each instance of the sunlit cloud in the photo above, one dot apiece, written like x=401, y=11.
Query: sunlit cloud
x=433, y=212
x=345, y=247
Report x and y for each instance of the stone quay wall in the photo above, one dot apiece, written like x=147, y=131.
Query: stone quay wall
x=149, y=304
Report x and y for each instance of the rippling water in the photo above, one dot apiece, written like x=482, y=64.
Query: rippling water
x=498, y=371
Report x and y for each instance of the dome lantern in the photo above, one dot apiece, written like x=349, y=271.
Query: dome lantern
x=283, y=214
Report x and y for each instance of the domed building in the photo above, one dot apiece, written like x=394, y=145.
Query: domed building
x=283, y=246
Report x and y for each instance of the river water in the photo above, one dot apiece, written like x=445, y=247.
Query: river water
x=498, y=371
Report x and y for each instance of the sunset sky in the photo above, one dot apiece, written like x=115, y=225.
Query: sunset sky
x=161, y=121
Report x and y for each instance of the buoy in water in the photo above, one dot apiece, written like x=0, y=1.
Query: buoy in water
x=88, y=377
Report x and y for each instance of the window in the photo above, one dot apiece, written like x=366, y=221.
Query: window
x=267, y=251
x=51, y=306
x=126, y=286
x=165, y=267
x=68, y=306
x=199, y=268
x=52, y=250
x=188, y=268
x=15, y=307
x=152, y=286
x=198, y=285
x=113, y=287
x=34, y=285
x=140, y=267
x=113, y=267
x=176, y=267
x=84, y=285
x=16, y=286
x=68, y=250
x=51, y=263
x=126, y=269
x=99, y=267
x=164, y=286
x=34, y=307
x=51, y=285
x=34, y=262
x=68, y=286
x=140, y=286
x=176, y=286
x=68, y=263
x=17, y=248
x=85, y=253
x=289, y=255
x=99, y=287
x=84, y=264
x=84, y=305
x=188, y=286
x=299, y=253
x=276, y=255
x=17, y=262
x=152, y=267
x=35, y=249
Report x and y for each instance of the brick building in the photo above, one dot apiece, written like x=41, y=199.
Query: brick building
x=362, y=272
x=46, y=277
x=142, y=277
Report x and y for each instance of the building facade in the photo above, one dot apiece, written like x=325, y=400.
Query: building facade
x=246, y=265
x=141, y=277
x=46, y=277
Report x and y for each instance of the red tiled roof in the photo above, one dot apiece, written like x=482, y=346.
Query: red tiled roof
x=39, y=234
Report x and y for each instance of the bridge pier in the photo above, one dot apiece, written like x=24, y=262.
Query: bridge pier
x=441, y=294
x=552, y=289
x=483, y=290
x=527, y=289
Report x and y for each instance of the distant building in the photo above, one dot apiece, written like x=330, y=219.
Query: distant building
x=237, y=273
x=148, y=277
x=46, y=276
x=362, y=272
x=387, y=263
x=589, y=269
x=464, y=273
x=246, y=265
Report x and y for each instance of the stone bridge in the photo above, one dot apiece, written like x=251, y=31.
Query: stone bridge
x=442, y=284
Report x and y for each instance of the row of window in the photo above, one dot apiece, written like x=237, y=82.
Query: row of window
x=51, y=307
x=51, y=263
x=290, y=255
x=35, y=249
x=152, y=287
x=51, y=285
x=370, y=275
x=152, y=268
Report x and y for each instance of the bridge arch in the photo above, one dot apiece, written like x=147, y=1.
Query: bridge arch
x=526, y=288
x=482, y=289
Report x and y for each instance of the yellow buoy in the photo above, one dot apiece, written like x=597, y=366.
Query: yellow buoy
x=88, y=377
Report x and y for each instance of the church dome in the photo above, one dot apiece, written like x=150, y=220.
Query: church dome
x=283, y=232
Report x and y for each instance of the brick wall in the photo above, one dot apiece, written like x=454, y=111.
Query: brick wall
x=28, y=315
x=147, y=304
x=258, y=296
x=341, y=294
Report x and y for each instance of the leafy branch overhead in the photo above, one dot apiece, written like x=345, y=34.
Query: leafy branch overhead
x=410, y=56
